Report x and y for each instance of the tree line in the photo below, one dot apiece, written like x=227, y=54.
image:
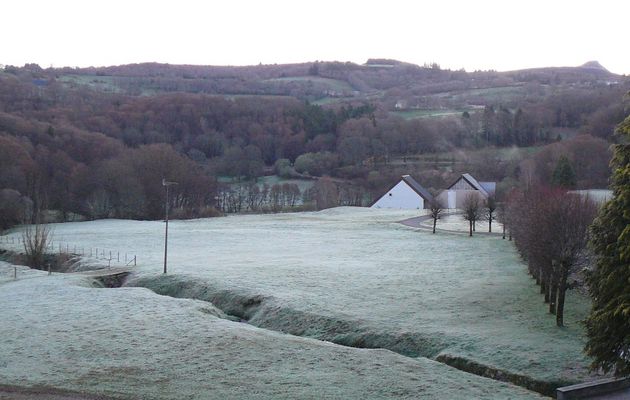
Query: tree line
x=550, y=227
x=81, y=151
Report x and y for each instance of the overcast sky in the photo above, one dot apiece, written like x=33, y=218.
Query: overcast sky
x=500, y=35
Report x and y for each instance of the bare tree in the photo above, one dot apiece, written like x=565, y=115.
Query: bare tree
x=490, y=209
x=472, y=211
x=436, y=209
x=503, y=216
x=252, y=195
x=35, y=239
x=551, y=231
x=291, y=193
x=571, y=237
x=276, y=199
x=326, y=193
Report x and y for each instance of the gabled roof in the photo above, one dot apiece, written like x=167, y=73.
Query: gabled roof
x=414, y=185
x=418, y=188
x=472, y=182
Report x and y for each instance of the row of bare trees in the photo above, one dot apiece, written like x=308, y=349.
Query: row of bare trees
x=325, y=193
x=254, y=197
x=473, y=209
x=550, y=227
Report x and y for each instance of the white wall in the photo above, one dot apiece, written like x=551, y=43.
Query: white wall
x=401, y=196
x=456, y=198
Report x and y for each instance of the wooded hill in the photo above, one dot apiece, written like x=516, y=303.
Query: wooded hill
x=97, y=141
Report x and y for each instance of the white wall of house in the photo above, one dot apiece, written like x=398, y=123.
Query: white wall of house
x=456, y=198
x=400, y=196
x=452, y=199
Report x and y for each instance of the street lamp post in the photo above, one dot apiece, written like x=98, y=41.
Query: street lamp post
x=166, y=184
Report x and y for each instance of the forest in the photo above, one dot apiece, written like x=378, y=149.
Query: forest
x=97, y=142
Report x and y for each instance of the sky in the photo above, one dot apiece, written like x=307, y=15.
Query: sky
x=482, y=34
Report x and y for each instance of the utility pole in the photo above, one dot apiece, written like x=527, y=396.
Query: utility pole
x=166, y=185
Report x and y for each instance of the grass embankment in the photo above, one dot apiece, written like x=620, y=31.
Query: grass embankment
x=131, y=343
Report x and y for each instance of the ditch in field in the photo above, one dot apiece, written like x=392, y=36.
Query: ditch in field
x=356, y=277
x=267, y=313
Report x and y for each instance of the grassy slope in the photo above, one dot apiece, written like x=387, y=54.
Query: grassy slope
x=415, y=114
x=355, y=276
x=103, y=83
x=131, y=343
x=333, y=84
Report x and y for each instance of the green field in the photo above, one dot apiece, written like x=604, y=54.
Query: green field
x=497, y=95
x=102, y=83
x=333, y=84
x=416, y=114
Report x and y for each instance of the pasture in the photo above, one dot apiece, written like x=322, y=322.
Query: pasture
x=356, y=277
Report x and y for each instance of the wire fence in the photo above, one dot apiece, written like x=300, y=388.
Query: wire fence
x=113, y=257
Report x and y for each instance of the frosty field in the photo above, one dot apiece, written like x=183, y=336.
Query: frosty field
x=351, y=276
x=130, y=343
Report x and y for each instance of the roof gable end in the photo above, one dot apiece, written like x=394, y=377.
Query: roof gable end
x=418, y=188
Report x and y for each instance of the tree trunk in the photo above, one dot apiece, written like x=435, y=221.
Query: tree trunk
x=470, y=223
x=562, y=290
x=504, y=231
x=544, y=286
x=553, y=292
x=434, y=223
x=490, y=224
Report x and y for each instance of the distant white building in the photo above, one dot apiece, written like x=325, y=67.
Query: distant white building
x=406, y=194
x=598, y=196
x=464, y=186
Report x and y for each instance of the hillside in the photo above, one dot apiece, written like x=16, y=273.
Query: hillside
x=97, y=141
x=320, y=80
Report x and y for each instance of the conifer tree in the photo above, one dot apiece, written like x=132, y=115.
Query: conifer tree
x=608, y=325
x=563, y=175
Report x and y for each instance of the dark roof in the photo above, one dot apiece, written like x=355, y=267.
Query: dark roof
x=418, y=188
x=413, y=184
x=472, y=182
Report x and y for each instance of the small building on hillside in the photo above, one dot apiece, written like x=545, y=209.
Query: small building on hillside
x=464, y=186
x=406, y=194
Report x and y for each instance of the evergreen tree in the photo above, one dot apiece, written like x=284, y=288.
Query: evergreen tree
x=608, y=325
x=564, y=176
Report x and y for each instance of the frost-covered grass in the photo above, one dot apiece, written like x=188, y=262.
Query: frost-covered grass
x=599, y=196
x=356, y=276
x=456, y=223
x=59, y=331
x=419, y=114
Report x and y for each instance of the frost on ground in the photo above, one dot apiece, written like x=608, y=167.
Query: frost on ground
x=59, y=331
x=355, y=276
x=456, y=223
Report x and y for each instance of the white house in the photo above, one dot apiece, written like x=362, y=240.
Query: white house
x=406, y=194
x=464, y=186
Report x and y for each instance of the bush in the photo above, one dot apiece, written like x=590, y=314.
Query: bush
x=36, y=239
